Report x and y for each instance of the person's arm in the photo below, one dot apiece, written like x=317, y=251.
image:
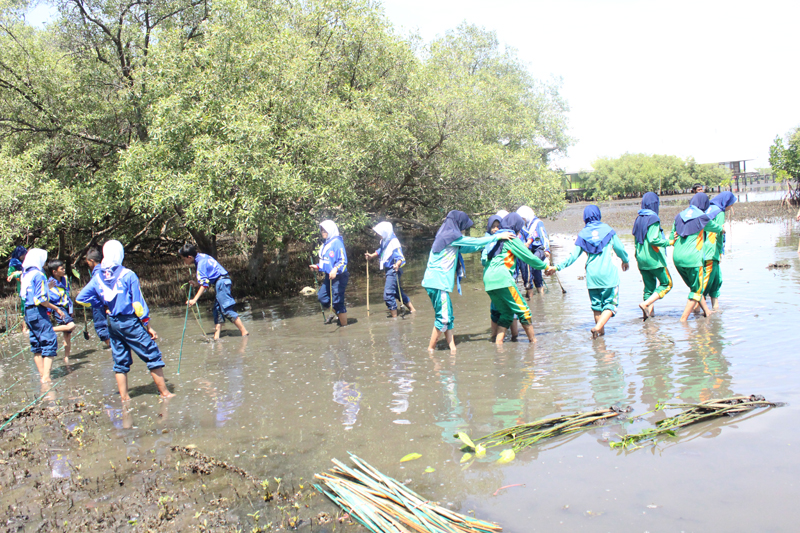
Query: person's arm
x=470, y=245
x=654, y=236
x=716, y=223
x=672, y=237
x=545, y=237
x=139, y=305
x=398, y=259
x=41, y=296
x=522, y=253
x=573, y=256
x=619, y=249
x=202, y=282
x=88, y=297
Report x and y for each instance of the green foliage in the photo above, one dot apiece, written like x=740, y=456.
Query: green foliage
x=635, y=174
x=152, y=121
x=785, y=159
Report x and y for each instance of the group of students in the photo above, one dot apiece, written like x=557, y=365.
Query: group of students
x=514, y=244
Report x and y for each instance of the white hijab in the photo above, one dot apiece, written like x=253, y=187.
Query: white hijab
x=385, y=230
x=36, y=258
x=502, y=213
x=113, y=254
x=526, y=213
x=332, y=230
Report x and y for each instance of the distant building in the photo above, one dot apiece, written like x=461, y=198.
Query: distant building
x=737, y=168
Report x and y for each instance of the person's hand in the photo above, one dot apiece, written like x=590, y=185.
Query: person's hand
x=152, y=333
x=505, y=236
x=191, y=302
x=625, y=267
x=396, y=266
x=549, y=271
x=9, y=278
x=333, y=273
x=367, y=256
x=315, y=268
x=60, y=313
x=51, y=283
x=547, y=254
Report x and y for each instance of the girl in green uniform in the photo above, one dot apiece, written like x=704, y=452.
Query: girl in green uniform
x=651, y=257
x=499, y=283
x=602, y=277
x=15, y=274
x=688, y=235
x=716, y=245
x=446, y=267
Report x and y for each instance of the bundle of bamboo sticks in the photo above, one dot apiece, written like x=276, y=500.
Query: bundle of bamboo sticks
x=383, y=505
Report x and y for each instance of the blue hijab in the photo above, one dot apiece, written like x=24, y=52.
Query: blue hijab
x=595, y=235
x=511, y=223
x=450, y=230
x=723, y=200
x=18, y=252
x=648, y=215
x=490, y=223
x=694, y=218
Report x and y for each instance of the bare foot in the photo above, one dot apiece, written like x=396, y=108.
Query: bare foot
x=167, y=396
x=46, y=380
x=645, y=313
x=514, y=338
x=125, y=399
x=595, y=333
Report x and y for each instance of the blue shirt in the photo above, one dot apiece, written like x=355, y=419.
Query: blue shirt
x=208, y=269
x=37, y=292
x=397, y=255
x=535, y=230
x=124, y=297
x=59, y=293
x=334, y=256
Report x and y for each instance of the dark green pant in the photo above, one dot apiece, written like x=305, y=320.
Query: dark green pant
x=656, y=278
x=714, y=281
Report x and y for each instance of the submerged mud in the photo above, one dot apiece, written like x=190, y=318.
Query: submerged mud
x=255, y=418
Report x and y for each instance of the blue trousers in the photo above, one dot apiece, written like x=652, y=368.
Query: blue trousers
x=391, y=292
x=67, y=317
x=127, y=333
x=40, y=331
x=530, y=276
x=223, y=305
x=338, y=286
x=100, y=322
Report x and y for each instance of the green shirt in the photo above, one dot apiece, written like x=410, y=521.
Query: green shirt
x=601, y=273
x=12, y=270
x=690, y=251
x=497, y=274
x=441, y=270
x=713, y=245
x=649, y=254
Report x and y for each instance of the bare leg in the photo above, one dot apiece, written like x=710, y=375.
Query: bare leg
x=393, y=312
x=47, y=364
x=158, y=377
x=67, y=346
x=342, y=319
x=493, y=336
x=714, y=303
x=122, y=385
x=514, y=330
x=238, y=323
x=529, y=332
x=501, y=335
x=451, y=341
x=690, y=305
x=528, y=293
x=540, y=290
x=37, y=359
x=646, y=306
x=107, y=342
x=704, y=307
x=434, y=339
x=600, y=324
x=411, y=308
x=217, y=331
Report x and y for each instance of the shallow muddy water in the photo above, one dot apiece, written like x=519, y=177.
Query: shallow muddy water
x=297, y=393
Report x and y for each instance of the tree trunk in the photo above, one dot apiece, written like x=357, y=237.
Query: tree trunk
x=256, y=258
x=206, y=243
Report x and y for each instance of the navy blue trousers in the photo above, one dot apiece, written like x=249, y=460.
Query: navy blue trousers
x=391, y=293
x=127, y=333
x=338, y=286
x=100, y=322
x=224, y=302
x=40, y=331
x=530, y=276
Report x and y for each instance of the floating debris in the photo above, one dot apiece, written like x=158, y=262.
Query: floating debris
x=692, y=414
x=778, y=265
x=383, y=505
x=525, y=435
x=204, y=463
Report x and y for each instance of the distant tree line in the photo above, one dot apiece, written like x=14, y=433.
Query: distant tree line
x=155, y=121
x=632, y=175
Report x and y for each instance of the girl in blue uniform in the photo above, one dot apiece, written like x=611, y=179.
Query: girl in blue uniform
x=210, y=271
x=392, y=262
x=35, y=293
x=333, y=262
x=93, y=259
x=128, y=319
x=60, y=288
x=538, y=241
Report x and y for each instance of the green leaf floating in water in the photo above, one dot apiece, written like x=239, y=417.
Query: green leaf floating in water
x=506, y=456
x=465, y=439
x=430, y=469
x=480, y=451
x=411, y=457
x=466, y=457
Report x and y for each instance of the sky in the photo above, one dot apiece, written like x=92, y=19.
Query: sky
x=714, y=80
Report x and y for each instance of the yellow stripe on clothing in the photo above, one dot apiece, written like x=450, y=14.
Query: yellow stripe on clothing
x=520, y=303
